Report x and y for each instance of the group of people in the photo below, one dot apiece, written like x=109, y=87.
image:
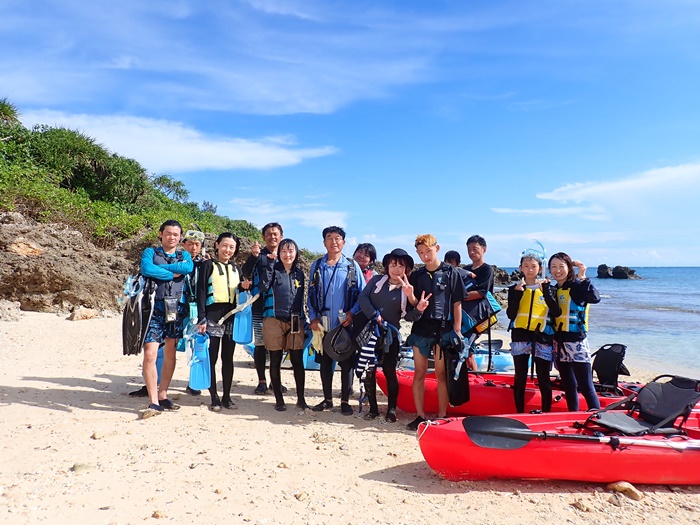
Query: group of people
x=349, y=292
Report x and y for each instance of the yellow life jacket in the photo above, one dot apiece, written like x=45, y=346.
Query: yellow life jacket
x=223, y=284
x=532, y=311
x=574, y=317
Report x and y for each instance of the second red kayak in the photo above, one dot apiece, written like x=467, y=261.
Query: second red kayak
x=492, y=394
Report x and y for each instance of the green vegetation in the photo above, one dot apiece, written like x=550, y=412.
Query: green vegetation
x=60, y=175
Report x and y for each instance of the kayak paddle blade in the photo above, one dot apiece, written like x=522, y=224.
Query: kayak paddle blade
x=497, y=432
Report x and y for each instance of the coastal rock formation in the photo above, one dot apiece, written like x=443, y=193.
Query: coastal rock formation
x=52, y=268
x=500, y=276
x=623, y=272
x=604, y=272
x=618, y=272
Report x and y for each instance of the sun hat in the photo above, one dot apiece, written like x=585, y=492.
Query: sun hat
x=338, y=344
x=400, y=254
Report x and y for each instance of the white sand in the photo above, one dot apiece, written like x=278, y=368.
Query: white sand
x=73, y=450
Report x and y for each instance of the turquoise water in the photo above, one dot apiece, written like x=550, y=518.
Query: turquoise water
x=657, y=317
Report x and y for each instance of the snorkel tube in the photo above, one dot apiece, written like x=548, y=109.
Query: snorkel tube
x=542, y=255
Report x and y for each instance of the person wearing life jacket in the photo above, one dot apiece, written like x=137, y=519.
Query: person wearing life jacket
x=335, y=283
x=387, y=299
x=366, y=254
x=167, y=267
x=282, y=287
x=530, y=303
x=217, y=286
x=572, y=352
x=259, y=261
x=192, y=242
x=441, y=322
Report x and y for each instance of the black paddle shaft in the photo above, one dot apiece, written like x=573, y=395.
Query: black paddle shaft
x=510, y=434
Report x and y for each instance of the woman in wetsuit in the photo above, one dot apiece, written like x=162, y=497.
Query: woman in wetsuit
x=385, y=300
x=217, y=287
x=572, y=352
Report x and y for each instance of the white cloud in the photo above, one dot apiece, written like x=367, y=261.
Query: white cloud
x=666, y=190
x=307, y=214
x=558, y=237
x=166, y=146
x=590, y=212
x=285, y=8
x=649, y=186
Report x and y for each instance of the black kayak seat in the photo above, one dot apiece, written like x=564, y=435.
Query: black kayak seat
x=657, y=404
x=608, y=364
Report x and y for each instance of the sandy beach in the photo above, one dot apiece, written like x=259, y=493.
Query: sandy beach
x=75, y=451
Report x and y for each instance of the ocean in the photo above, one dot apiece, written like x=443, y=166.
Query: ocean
x=656, y=317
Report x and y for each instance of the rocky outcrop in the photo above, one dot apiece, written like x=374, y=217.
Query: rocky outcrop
x=51, y=268
x=618, y=272
x=623, y=272
x=500, y=276
x=604, y=272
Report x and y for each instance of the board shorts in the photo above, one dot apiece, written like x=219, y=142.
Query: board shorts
x=574, y=352
x=425, y=344
x=159, y=330
x=542, y=351
x=277, y=336
x=214, y=329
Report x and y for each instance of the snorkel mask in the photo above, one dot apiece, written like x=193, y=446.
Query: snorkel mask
x=541, y=256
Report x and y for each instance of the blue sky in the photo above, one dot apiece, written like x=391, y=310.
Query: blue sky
x=573, y=122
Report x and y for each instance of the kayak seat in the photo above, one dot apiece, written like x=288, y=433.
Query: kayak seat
x=608, y=366
x=654, y=409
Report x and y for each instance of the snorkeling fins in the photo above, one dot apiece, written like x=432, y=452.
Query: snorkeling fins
x=137, y=314
x=200, y=372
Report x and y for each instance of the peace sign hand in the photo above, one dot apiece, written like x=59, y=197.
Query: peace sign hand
x=406, y=286
x=423, y=303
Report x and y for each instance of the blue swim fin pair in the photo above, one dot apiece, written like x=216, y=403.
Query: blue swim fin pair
x=200, y=371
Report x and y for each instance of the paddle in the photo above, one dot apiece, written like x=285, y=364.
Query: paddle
x=510, y=434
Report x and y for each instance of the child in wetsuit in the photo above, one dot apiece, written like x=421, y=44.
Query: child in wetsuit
x=530, y=303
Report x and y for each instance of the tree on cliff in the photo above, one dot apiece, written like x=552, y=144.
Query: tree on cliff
x=9, y=115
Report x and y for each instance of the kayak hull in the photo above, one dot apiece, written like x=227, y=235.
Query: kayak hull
x=451, y=453
x=491, y=394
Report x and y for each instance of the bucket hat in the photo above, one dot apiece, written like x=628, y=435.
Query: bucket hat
x=400, y=254
x=338, y=344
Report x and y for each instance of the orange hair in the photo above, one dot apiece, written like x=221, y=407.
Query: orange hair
x=428, y=239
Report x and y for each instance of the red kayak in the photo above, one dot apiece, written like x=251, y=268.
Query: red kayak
x=656, y=441
x=479, y=447
x=493, y=394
